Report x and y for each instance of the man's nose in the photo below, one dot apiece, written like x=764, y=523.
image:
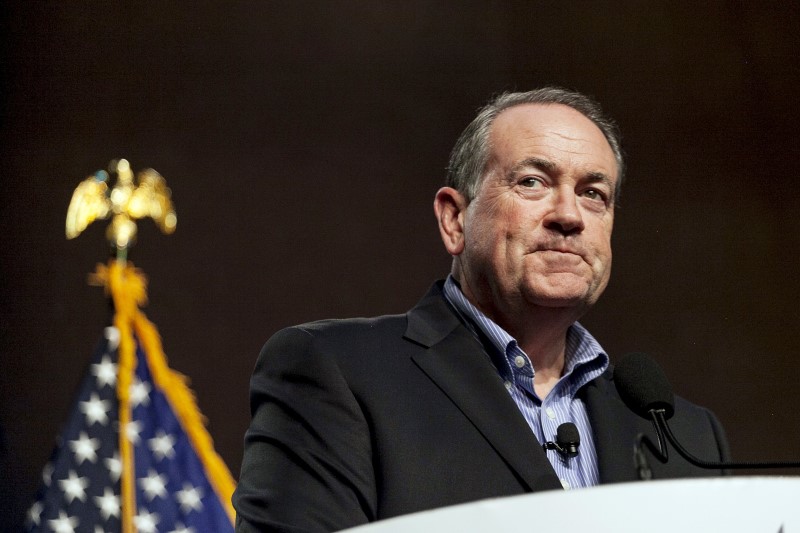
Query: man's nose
x=564, y=215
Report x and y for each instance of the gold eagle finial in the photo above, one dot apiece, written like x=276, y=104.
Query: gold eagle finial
x=126, y=201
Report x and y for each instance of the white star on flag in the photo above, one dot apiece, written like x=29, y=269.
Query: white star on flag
x=153, y=485
x=85, y=448
x=64, y=523
x=189, y=498
x=74, y=487
x=35, y=513
x=112, y=336
x=47, y=474
x=114, y=465
x=108, y=503
x=106, y=372
x=132, y=430
x=96, y=410
x=146, y=522
x=140, y=393
x=162, y=445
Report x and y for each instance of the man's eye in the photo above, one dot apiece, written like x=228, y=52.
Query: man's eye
x=594, y=194
x=530, y=182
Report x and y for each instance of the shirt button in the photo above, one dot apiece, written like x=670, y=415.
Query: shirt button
x=550, y=413
x=519, y=361
x=565, y=484
x=508, y=385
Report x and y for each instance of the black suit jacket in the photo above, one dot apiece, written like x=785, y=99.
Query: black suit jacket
x=363, y=419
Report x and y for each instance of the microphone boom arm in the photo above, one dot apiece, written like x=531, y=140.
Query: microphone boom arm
x=660, y=422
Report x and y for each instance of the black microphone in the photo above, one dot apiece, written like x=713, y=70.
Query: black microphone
x=567, y=440
x=643, y=386
x=646, y=391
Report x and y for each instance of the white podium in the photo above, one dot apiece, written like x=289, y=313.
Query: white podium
x=735, y=504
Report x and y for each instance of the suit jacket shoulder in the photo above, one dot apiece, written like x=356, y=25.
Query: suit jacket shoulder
x=361, y=419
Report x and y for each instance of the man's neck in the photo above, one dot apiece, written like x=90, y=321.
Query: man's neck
x=541, y=332
x=543, y=337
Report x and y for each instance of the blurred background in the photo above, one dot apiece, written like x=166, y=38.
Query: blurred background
x=303, y=143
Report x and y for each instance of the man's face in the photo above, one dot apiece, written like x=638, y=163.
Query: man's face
x=539, y=230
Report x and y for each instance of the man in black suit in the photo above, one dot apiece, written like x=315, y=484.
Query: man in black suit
x=363, y=419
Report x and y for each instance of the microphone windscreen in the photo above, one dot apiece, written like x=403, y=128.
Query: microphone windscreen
x=643, y=386
x=567, y=433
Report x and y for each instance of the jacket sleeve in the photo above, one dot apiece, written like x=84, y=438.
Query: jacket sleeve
x=307, y=462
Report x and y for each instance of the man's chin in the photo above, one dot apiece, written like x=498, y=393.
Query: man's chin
x=561, y=303
x=572, y=296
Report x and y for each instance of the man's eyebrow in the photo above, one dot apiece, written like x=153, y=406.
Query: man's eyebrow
x=535, y=162
x=600, y=177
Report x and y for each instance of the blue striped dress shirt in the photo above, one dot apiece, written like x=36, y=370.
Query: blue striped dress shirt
x=585, y=360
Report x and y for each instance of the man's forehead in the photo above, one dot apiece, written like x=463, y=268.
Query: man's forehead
x=534, y=123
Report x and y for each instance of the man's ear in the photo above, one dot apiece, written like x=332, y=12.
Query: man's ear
x=450, y=207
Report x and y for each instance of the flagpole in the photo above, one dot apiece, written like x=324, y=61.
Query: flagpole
x=127, y=366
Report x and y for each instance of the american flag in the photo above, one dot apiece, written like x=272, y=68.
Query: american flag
x=81, y=492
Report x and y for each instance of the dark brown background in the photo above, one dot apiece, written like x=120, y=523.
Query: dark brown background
x=304, y=141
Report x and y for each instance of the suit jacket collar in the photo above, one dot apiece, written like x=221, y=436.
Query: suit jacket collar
x=457, y=362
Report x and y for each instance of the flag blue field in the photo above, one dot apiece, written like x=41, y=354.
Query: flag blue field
x=134, y=454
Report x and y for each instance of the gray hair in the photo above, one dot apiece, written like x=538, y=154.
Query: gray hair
x=471, y=153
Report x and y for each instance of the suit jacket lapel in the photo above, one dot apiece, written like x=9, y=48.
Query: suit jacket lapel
x=458, y=364
x=615, y=429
